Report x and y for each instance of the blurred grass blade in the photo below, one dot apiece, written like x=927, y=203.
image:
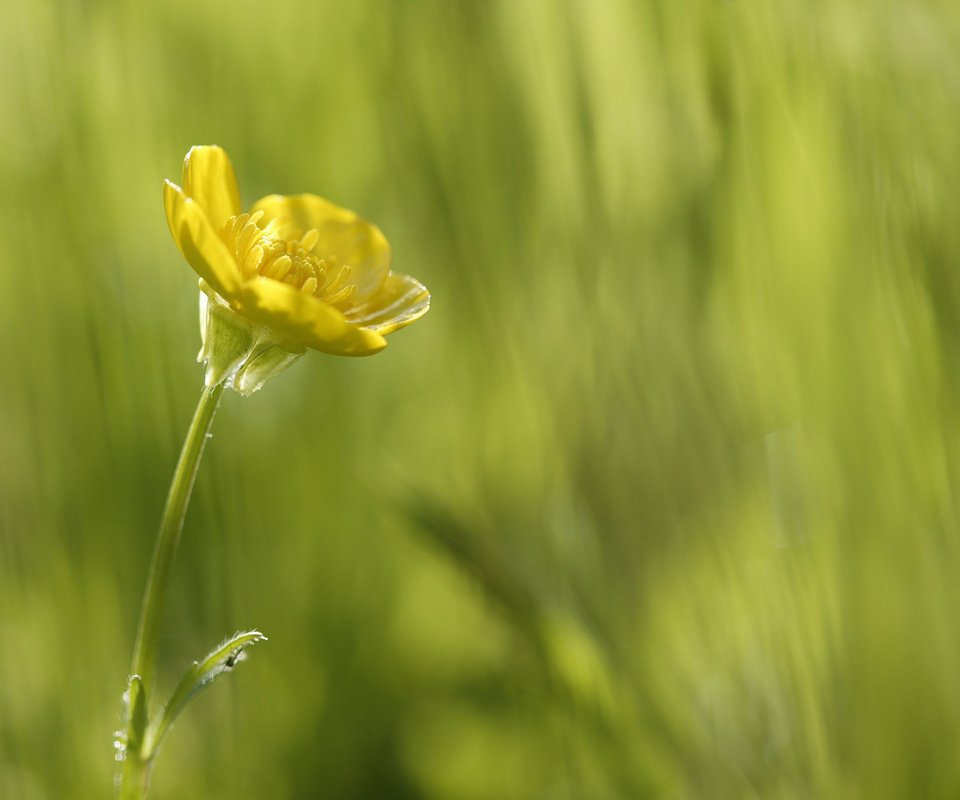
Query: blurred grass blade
x=221, y=659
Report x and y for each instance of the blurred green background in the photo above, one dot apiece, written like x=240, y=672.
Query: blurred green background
x=658, y=501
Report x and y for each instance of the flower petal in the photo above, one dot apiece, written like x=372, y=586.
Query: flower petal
x=400, y=300
x=199, y=242
x=208, y=178
x=342, y=233
x=304, y=320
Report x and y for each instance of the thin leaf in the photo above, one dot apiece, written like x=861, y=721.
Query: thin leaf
x=221, y=659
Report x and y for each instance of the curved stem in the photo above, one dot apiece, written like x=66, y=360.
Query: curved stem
x=145, y=649
x=135, y=773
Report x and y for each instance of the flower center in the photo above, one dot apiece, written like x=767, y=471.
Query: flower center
x=261, y=251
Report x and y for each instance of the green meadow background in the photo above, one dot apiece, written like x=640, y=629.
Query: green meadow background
x=658, y=501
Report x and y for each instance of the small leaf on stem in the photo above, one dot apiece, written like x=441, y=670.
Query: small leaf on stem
x=221, y=659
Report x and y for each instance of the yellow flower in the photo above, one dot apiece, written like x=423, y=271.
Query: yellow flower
x=292, y=273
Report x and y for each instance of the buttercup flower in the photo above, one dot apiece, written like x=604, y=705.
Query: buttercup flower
x=290, y=274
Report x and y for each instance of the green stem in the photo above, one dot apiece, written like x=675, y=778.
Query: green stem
x=135, y=774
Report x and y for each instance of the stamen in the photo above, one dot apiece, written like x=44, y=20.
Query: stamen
x=309, y=240
x=339, y=279
x=344, y=293
x=309, y=286
x=236, y=223
x=252, y=261
x=246, y=237
x=279, y=268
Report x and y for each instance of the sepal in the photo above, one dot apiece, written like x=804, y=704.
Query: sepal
x=236, y=352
